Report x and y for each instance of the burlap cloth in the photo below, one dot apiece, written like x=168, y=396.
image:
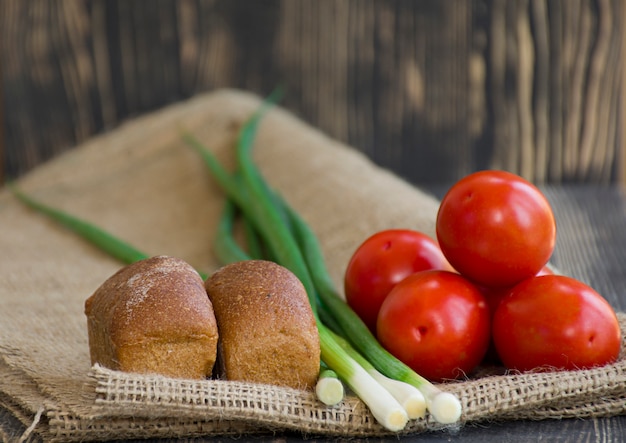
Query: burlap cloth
x=142, y=184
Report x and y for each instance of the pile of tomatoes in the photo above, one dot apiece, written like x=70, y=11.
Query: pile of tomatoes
x=482, y=292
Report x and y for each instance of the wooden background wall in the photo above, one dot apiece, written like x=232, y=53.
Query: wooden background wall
x=432, y=89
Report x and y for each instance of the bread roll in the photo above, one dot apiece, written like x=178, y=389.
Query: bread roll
x=267, y=329
x=153, y=316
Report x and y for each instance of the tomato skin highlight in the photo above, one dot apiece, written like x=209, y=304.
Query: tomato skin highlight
x=496, y=228
x=554, y=322
x=436, y=322
x=380, y=262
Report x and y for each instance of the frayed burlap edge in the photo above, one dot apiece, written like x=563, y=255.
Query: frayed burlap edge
x=134, y=406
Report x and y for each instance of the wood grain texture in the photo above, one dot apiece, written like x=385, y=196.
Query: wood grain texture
x=431, y=89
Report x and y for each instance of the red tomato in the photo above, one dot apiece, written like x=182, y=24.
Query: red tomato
x=557, y=322
x=383, y=260
x=436, y=322
x=496, y=228
x=493, y=297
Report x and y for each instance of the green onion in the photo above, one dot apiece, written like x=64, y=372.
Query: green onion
x=411, y=398
x=386, y=409
x=255, y=249
x=260, y=206
x=329, y=389
x=108, y=243
x=444, y=407
x=225, y=247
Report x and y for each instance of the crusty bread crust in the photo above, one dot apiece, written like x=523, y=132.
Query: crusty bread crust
x=153, y=316
x=268, y=333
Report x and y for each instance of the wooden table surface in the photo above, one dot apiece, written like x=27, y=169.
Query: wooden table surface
x=432, y=89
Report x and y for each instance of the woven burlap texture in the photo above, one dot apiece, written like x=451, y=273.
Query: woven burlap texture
x=141, y=183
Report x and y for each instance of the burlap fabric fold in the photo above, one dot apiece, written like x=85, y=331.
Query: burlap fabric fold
x=143, y=184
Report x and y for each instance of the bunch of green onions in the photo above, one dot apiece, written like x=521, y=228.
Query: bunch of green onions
x=393, y=392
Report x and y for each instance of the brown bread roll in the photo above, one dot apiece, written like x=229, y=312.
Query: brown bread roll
x=153, y=316
x=267, y=329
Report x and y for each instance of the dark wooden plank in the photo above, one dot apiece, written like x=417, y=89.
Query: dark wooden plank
x=569, y=430
x=430, y=89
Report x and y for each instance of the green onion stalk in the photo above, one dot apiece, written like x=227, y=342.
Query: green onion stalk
x=411, y=398
x=251, y=195
x=443, y=406
x=328, y=389
x=274, y=228
x=115, y=247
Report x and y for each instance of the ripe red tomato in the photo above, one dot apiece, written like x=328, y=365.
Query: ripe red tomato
x=436, y=322
x=493, y=296
x=383, y=260
x=557, y=322
x=496, y=228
